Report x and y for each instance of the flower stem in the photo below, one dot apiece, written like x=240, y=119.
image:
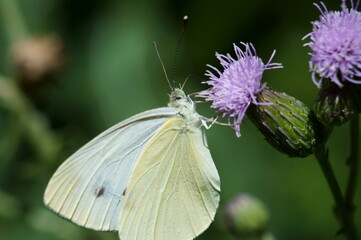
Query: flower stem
x=346, y=221
x=34, y=124
x=14, y=23
x=353, y=163
x=13, y=139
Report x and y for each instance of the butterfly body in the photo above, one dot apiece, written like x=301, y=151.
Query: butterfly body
x=148, y=177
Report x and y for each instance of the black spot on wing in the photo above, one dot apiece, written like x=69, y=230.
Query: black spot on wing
x=99, y=192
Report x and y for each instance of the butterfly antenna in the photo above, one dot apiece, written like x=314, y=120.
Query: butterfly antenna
x=161, y=62
x=185, y=21
x=189, y=76
x=185, y=81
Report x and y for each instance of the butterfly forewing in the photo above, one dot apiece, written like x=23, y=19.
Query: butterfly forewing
x=89, y=187
x=173, y=192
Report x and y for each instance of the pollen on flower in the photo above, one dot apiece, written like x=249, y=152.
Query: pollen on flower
x=336, y=45
x=234, y=89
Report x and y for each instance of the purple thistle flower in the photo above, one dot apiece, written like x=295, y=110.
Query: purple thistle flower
x=336, y=45
x=237, y=86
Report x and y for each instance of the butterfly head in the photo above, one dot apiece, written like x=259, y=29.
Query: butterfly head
x=178, y=99
x=185, y=107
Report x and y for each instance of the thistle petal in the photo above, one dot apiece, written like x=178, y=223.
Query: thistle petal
x=336, y=45
x=235, y=89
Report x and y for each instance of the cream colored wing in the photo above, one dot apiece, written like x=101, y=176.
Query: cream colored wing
x=173, y=192
x=88, y=187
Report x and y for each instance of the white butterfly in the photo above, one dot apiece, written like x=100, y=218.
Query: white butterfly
x=149, y=177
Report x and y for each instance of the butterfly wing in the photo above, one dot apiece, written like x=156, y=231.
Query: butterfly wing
x=88, y=187
x=173, y=192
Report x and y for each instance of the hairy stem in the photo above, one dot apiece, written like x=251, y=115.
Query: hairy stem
x=343, y=215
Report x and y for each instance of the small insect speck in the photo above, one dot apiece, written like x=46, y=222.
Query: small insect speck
x=125, y=190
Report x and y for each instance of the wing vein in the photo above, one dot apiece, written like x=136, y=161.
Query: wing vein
x=171, y=170
x=150, y=185
x=119, y=162
x=197, y=183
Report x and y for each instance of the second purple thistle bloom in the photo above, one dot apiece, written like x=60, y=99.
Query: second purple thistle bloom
x=336, y=46
x=234, y=89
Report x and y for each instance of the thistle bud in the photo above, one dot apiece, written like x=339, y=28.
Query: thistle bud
x=287, y=123
x=38, y=57
x=335, y=105
x=246, y=217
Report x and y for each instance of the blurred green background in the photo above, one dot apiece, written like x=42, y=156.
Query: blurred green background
x=112, y=72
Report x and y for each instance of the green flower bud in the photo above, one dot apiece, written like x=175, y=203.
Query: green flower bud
x=335, y=105
x=287, y=123
x=246, y=217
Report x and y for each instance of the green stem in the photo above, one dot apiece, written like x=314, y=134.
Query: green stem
x=346, y=221
x=268, y=236
x=353, y=163
x=35, y=126
x=13, y=22
x=13, y=138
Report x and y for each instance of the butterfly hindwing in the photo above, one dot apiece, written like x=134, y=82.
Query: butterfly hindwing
x=173, y=192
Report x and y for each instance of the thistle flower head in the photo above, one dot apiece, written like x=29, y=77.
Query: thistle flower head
x=336, y=45
x=234, y=89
